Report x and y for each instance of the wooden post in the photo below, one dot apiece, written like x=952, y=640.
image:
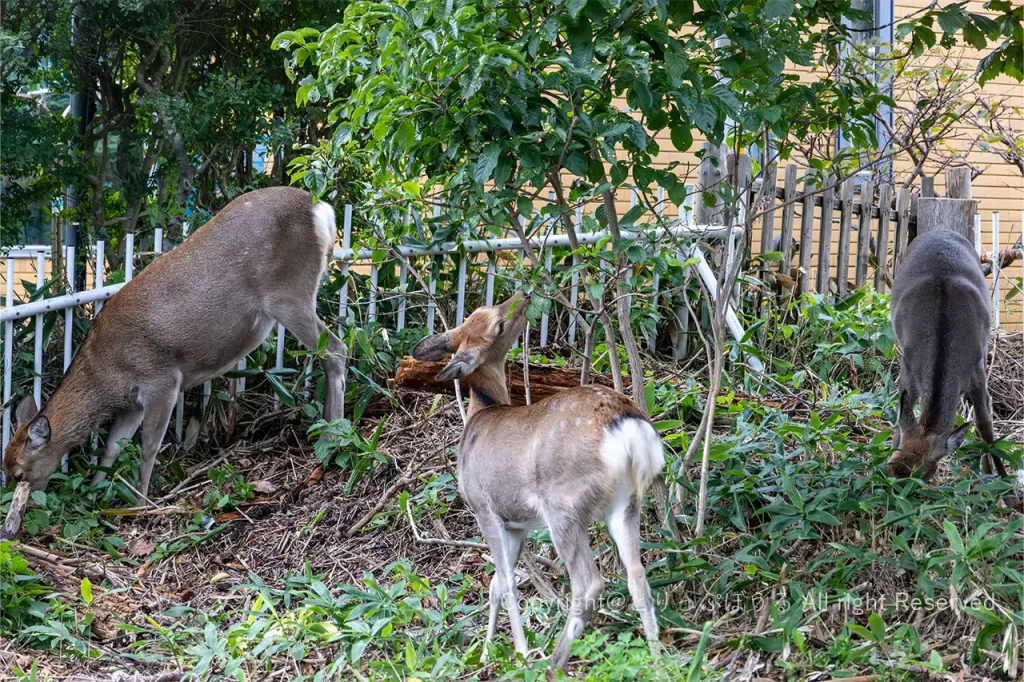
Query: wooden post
x=958, y=183
x=825, y=237
x=867, y=197
x=742, y=167
x=882, y=244
x=788, y=213
x=845, y=225
x=709, y=178
x=768, y=223
x=806, y=236
x=902, y=228
x=956, y=215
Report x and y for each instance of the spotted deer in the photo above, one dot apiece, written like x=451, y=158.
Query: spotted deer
x=585, y=453
x=941, y=315
x=188, y=317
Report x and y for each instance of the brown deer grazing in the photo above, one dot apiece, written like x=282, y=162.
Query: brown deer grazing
x=188, y=317
x=583, y=454
x=941, y=315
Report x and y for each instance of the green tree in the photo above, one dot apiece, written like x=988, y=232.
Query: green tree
x=487, y=107
x=186, y=91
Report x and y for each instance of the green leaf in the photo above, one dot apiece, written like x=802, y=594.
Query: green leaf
x=974, y=37
x=682, y=137
x=778, y=9
x=877, y=627
x=576, y=162
x=697, y=664
x=860, y=631
x=955, y=542
x=984, y=615
x=667, y=425
x=953, y=19
x=791, y=492
x=281, y=390
x=86, y=589
x=575, y=6
x=678, y=194
x=821, y=516
x=486, y=163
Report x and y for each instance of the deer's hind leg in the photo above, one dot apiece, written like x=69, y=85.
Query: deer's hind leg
x=570, y=538
x=624, y=527
x=298, y=315
x=982, y=403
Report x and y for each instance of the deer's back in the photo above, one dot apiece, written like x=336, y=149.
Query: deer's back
x=208, y=293
x=515, y=460
x=940, y=307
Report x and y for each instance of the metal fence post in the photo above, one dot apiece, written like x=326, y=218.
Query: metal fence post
x=346, y=245
x=995, y=269
x=8, y=366
x=37, y=359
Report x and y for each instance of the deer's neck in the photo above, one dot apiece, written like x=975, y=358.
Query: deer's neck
x=81, y=403
x=486, y=388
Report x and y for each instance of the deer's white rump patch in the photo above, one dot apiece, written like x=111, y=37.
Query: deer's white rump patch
x=326, y=225
x=633, y=448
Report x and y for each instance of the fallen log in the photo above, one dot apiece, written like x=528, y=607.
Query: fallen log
x=19, y=503
x=416, y=375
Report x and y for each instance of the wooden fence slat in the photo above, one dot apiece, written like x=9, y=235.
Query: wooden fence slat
x=927, y=187
x=902, y=228
x=825, y=237
x=845, y=225
x=867, y=196
x=882, y=244
x=788, y=213
x=806, y=237
x=768, y=223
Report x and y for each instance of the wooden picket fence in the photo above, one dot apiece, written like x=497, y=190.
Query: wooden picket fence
x=849, y=234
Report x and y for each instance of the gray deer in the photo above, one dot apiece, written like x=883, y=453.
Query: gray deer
x=188, y=317
x=941, y=315
x=560, y=463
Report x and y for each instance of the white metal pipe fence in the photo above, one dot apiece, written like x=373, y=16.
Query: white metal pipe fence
x=678, y=238
x=66, y=303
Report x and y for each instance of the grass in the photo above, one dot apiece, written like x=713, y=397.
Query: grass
x=815, y=564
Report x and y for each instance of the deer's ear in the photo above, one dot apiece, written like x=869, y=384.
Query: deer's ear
x=956, y=438
x=39, y=432
x=433, y=348
x=27, y=409
x=462, y=365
